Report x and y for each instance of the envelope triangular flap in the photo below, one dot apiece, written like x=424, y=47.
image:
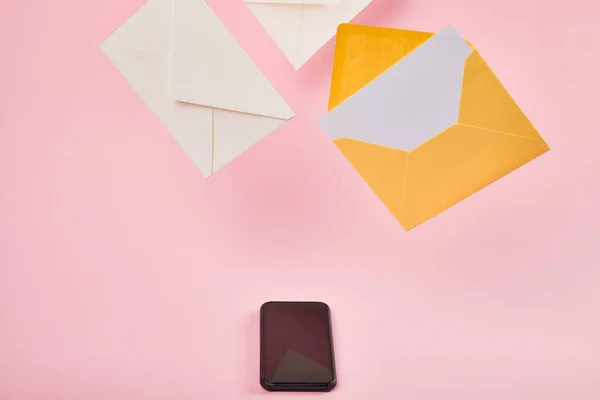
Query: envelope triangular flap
x=300, y=30
x=211, y=69
x=409, y=103
x=487, y=104
x=363, y=52
x=149, y=29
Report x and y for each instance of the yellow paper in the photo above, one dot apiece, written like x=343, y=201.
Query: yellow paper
x=492, y=138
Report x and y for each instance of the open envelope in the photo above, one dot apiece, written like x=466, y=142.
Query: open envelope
x=190, y=71
x=301, y=27
x=423, y=119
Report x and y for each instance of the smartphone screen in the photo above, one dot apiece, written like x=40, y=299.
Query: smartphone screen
x=296, y=347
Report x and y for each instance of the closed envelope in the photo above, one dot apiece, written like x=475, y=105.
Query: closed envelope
x=190, y=71
x=301, y=27
x=423, y=119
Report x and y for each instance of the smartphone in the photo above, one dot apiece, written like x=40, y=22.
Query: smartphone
x=296, y=347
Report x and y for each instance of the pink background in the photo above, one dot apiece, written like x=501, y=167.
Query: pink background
x=125, y=275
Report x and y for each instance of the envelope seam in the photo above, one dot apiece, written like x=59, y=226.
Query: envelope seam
x=502, y=133
x=235, y=111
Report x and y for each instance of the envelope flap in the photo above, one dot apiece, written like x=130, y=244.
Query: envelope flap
x=487, y=104
x=209, y=67
x=363, y=52
x=409, y=103
x=300, y=30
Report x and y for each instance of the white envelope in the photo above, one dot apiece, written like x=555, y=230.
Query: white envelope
x=194, y=76
x=300, y=30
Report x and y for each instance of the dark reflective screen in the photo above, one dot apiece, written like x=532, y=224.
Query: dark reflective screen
x=296, y=343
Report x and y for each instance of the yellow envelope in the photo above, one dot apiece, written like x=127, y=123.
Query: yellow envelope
x=423, y=119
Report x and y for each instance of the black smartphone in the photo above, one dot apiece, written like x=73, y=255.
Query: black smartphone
x=296, y=347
